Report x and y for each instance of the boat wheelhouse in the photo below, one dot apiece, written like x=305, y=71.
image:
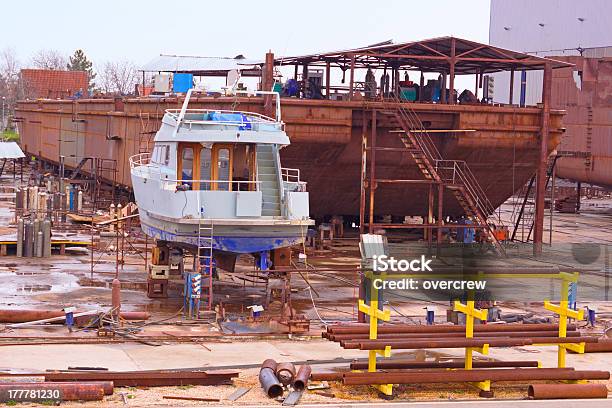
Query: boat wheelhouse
x=220, y=170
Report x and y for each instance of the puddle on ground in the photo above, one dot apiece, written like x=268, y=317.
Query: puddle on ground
x=27, y=288
x=29, y=283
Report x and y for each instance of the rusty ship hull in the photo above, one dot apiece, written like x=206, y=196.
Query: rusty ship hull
x=499, y=143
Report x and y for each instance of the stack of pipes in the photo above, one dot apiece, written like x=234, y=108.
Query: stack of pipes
x=405, y=336
x=54, y=203
x=36, y=211
x=33, y=237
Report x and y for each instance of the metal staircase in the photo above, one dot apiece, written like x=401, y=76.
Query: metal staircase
x=455, y=174
x=269, y=181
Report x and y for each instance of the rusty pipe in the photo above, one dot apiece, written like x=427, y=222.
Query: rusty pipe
x=355, y=328
x=328, y=376
x=549, y=333
x=411, y=364
x=602, y=346
x=301, y=379
x=107, y=386
x=566, y=391
x=270, y=383
x=285, y=372
x=498, y=374
x=67, y=391
x=28, y=315
x=424, y=344
x=338, y=375
x=269, y=363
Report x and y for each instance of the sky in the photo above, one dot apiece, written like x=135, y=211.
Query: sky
x=139, y=30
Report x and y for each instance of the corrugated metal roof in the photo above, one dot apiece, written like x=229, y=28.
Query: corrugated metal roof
x=10, y=150
x=194, y=64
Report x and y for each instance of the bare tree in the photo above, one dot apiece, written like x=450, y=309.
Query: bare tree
x=9, y=66
x=119, y=77
x=9, y=83
x=49, y=59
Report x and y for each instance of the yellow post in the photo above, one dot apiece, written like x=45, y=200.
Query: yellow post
x=564, y=313
x=470, y=312
x=375, y=314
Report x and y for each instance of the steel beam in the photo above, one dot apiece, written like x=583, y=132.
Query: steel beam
x=541, y=164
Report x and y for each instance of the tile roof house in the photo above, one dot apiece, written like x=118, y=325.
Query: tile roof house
x=53, y=84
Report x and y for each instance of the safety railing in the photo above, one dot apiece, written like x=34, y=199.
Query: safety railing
x=291, y=178
x=460, y=173
x=213, y=185
x=141, y=159
x=142, y=165
x=457, y=172
x=290, y=175
x=179, y=115
x=246, y=118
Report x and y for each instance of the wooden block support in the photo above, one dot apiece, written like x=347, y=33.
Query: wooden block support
x=281, y=257
x=160, y=255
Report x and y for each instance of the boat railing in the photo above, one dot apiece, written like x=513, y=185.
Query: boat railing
x=180, y=115
x=142, y=164
x=246, y=118
x=212, y=185
x=141, y=159
x=291, y=177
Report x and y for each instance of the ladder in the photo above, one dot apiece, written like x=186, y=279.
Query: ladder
x=455, y=174
x=205, y=263
x=198, y=287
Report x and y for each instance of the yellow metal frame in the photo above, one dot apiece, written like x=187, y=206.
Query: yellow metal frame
x=564, y=312
x=372, y=310
x=376, y=314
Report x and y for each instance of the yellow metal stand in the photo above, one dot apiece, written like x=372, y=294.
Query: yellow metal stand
x=564, y=312
x=376, y=314
x=470, y=313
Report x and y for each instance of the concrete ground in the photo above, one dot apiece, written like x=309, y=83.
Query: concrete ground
x=324, y=297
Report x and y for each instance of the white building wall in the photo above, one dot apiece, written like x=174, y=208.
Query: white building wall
x=546, y=27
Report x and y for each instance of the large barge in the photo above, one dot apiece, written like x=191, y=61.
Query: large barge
x=502, y=145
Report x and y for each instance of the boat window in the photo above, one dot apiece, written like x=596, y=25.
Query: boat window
x=161, y=154
x=165, y=157
x=187, y=163
x=223, y=169
x=205, y=159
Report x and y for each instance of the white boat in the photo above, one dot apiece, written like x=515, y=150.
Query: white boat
x=220, y=169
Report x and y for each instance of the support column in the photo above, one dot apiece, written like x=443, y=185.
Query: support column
x=440, y=212
x=304, y=80
x=511, y=96
x=372, y=181
x=352, y=77
x=451, y=80
x=477, y=87
x=552, y=202
x=443, y=88
x=267, y=82
x=327, y=78
x=421, y=86
x=364, y=158
x=542, y=160
x=430, y=210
